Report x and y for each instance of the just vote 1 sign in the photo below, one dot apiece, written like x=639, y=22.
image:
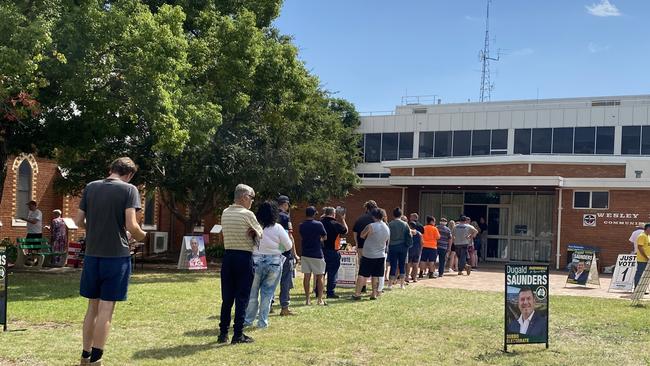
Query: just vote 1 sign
x=623, y=277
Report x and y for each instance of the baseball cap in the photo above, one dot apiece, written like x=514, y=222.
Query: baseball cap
x=283, y=199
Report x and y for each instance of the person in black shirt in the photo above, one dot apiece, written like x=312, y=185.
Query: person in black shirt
x=335, y=225
x=361, y=223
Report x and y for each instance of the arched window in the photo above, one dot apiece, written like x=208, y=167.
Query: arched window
x=23, y=188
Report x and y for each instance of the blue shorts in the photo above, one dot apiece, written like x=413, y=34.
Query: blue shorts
x=429, y=255
x=105, y=278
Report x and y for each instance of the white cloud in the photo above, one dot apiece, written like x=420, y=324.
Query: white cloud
x=471, y=18
x=523, y=52
x=604, y=9
x=595, y=47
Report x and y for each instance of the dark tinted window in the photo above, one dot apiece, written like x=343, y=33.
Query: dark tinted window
x=631, y=140
x=389, y=146
x=360, y=144
x=406, y=145
x=645, y=140
x=581, y=199
x=599, y=199
x=499, y=140
x=426, y=145
x=481, y=142
x=541, y=140
x=373, y=147
x=563, y=140
x=442, y=146
x=522, y=141
x=585, y=140
x=149, y=206
x=605, y=140
x=462, y=141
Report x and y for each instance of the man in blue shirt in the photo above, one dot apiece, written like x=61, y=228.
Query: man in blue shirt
x=313, y=233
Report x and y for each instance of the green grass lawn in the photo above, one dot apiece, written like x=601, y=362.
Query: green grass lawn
x=171, y=319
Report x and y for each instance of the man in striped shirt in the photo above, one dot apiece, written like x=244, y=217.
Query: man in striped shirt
x=240, y=231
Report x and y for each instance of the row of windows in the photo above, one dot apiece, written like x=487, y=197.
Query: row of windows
x=463, y=143
x=387, y=146
x=564, y=140
x=635, y=140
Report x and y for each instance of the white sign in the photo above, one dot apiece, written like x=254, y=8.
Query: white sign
x=623, y=277
x=347, y=275
x=69, y=223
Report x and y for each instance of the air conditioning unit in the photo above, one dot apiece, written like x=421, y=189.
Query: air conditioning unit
x=160, y=241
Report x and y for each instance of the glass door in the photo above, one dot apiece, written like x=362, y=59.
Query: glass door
x=498, y=241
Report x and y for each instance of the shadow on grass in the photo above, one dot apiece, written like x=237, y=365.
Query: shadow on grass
x=494, y=355
x=175, y=351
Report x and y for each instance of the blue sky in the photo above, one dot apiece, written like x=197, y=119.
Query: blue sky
x=373, y=52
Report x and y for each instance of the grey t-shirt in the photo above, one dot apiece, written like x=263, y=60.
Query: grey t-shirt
x=461, y=233
x=375, y=245
x=104, y=202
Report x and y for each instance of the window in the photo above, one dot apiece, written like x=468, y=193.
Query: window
x=462, y=143
x=149, y=209
x=373, y=148
x=442, y=146
x=645, y=140
x=590, y=199
x=23, y=188
x=360, y=145
x=563, y=140
x=605, y=140
x=405, y=145
x=585, y=140
x=426, y=145
x=631, y=140
x=389, y=142
x=481, y=142
x=522, y=141
x=499, y=142
x=541, y=140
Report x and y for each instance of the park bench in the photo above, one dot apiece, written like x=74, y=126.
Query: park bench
x=38, y=248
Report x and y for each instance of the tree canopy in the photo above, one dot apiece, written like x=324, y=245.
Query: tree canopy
x=202, y=94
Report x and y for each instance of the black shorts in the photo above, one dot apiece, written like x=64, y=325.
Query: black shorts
x=372, y=267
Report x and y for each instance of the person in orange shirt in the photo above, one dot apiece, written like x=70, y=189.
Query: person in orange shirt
x=429, y=246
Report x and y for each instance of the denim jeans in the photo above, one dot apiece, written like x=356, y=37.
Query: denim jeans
x=397, y=258
x=268, y=269
x=461, y=253
x=442, y=253
x=640, y=267
x=286, y=282
x=332, y=264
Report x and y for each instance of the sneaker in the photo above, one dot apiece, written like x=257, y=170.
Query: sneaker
x=420, y=275
x=242, y=339
x=356, y=298
x=363, y=289
x=388, y=288
x=460, y=273
x=333, y=296
x=430, y=274
x=286, y=312
x=222, y=338
x=321, y=303
x=468, y=269
x=402, y=287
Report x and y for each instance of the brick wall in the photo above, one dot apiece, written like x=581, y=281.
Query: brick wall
x=563, y=170
x=610, y=234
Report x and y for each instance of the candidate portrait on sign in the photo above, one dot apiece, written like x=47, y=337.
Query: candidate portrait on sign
x=579, y=273
x=530, y=322
x=196, y=256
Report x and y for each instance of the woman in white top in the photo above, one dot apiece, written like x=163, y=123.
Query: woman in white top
x=267, y=262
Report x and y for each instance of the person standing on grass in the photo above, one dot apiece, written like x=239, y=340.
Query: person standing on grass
x=241, y=231
x=286, y=281
x=267, y=261
x=429, y=247
x=642, y=253
x=399, y=243
x=376, y=236
x=415, y=252
x=361, y=223
x=34, y=221
x=444, y=243
x=58, y=236
x=313, y=233
x=107, y=210
x=335, y=225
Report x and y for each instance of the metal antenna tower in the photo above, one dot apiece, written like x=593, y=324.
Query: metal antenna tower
x=484, y=56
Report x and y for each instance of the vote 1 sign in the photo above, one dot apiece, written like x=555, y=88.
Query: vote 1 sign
x=3, y=290
x=623, y=277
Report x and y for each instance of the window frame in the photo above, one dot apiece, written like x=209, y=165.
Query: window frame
x=591, y=200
